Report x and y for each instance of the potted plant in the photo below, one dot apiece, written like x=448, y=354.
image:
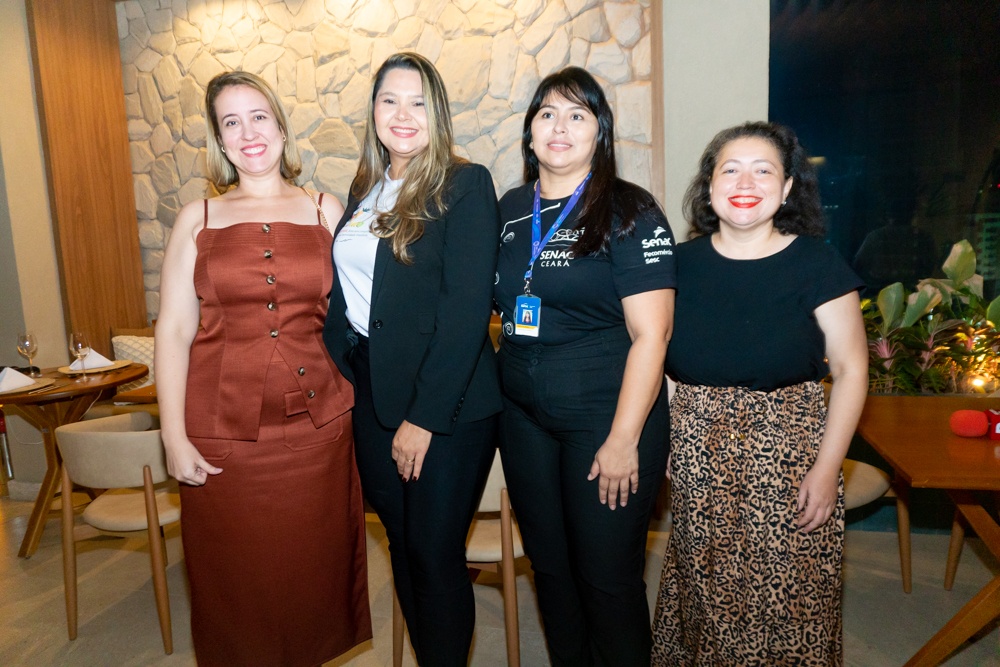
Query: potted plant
x=941, y=338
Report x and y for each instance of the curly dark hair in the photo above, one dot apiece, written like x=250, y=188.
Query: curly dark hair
x=801, y=214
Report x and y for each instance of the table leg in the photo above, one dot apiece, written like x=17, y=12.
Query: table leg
x=954, y=549
x=903, y=530
x=47, y=418
x=46, y=423
x=979, y=611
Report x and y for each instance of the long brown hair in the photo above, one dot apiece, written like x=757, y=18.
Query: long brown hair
x=421, y=197
x=220, y=170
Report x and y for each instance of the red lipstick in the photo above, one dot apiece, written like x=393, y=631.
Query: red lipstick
x=745, y=201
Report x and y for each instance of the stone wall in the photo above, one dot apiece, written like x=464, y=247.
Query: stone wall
x=319, y=56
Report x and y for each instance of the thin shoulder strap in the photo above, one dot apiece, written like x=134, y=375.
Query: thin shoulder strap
x=319, y=211
x=319, y=208
x=204, y=225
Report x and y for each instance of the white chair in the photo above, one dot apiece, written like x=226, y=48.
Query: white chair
x=863, y=483
x=118, y=453
x=136, y=345
x=493, y=544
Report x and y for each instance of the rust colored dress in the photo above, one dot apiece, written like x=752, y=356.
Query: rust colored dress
x=275, y=544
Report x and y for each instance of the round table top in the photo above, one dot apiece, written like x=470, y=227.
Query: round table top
x=66, y=387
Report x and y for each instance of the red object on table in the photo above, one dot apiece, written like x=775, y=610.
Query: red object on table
x=994, y=418
x=969, y=423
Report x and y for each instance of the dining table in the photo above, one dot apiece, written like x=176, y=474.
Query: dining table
x=141, y=396
x=912, y=433
x=65, y=401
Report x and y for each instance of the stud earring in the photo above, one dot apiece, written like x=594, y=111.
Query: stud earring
x=784, y=202
x=223, y=149
x=283, y=138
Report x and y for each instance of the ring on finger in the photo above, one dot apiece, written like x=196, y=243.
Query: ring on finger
x=410, y=460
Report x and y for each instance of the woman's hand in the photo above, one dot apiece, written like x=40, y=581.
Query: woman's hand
x=616, y=466
x=409, y=448
x=186, y=464
x=817, y=497
x=847, y=351
x=648, y=318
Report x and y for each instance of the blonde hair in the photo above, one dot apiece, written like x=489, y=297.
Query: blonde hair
x=220, y=170
x=421, y=197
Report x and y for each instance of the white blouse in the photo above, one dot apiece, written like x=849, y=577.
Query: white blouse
x=354, y=252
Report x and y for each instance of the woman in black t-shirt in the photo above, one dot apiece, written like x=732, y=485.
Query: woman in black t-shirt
x=752, y=571
x=585, y=289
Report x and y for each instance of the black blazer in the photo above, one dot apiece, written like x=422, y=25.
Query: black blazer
x=432, y=363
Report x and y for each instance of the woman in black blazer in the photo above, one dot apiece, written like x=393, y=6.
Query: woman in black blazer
x=415, y=258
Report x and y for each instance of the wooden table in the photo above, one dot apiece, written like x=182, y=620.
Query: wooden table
x=143, y=395
x=65, y=402
x=912, y=434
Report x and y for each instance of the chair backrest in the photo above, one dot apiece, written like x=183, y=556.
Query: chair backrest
x=490, y=502
x=111, y=452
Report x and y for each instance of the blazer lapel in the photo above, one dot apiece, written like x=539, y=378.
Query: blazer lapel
x=352, y=206
x=383, y=255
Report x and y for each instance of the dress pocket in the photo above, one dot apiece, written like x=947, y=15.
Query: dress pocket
x=213, y=449
x=300, y=433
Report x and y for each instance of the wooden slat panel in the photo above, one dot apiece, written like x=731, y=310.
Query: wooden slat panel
x=85, y=136
x=657, y=178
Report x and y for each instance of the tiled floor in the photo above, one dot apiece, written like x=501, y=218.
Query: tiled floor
x=118, y=626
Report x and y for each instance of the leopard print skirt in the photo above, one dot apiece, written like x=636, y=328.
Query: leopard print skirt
x=741, y=585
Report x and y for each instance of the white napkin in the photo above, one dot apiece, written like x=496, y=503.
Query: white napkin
x=11, y=379
x=92, y=360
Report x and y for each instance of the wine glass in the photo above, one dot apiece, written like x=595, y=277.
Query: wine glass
x=79, y=347
x=27, y=346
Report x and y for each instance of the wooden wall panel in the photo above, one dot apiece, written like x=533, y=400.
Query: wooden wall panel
x=657, y=178
x=81, y=105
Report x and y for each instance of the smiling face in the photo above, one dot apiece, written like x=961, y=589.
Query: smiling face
x=401, y=117
x=249, y=131
x=564, y=136
x=749, y=184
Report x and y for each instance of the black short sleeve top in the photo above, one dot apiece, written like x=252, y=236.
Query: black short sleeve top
x=579, y=295
x=751, y=323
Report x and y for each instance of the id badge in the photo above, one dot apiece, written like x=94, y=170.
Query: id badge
x=527, y=313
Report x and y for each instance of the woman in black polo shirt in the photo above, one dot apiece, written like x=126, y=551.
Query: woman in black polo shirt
x=585, y=288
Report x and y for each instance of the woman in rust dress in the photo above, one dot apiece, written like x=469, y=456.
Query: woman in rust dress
x=256, y=417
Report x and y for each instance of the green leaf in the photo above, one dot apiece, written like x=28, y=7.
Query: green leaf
x=890, y=304
x=993, y=313
x=975, y=285
x=961, y=263
x=918, y=308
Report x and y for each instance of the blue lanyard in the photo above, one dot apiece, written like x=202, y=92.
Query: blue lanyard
x=537, y=242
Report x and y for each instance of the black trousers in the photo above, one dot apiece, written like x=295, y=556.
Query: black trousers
x=426, y=520
x=559, y=403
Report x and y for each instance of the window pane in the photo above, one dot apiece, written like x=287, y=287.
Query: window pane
x=899, y=102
